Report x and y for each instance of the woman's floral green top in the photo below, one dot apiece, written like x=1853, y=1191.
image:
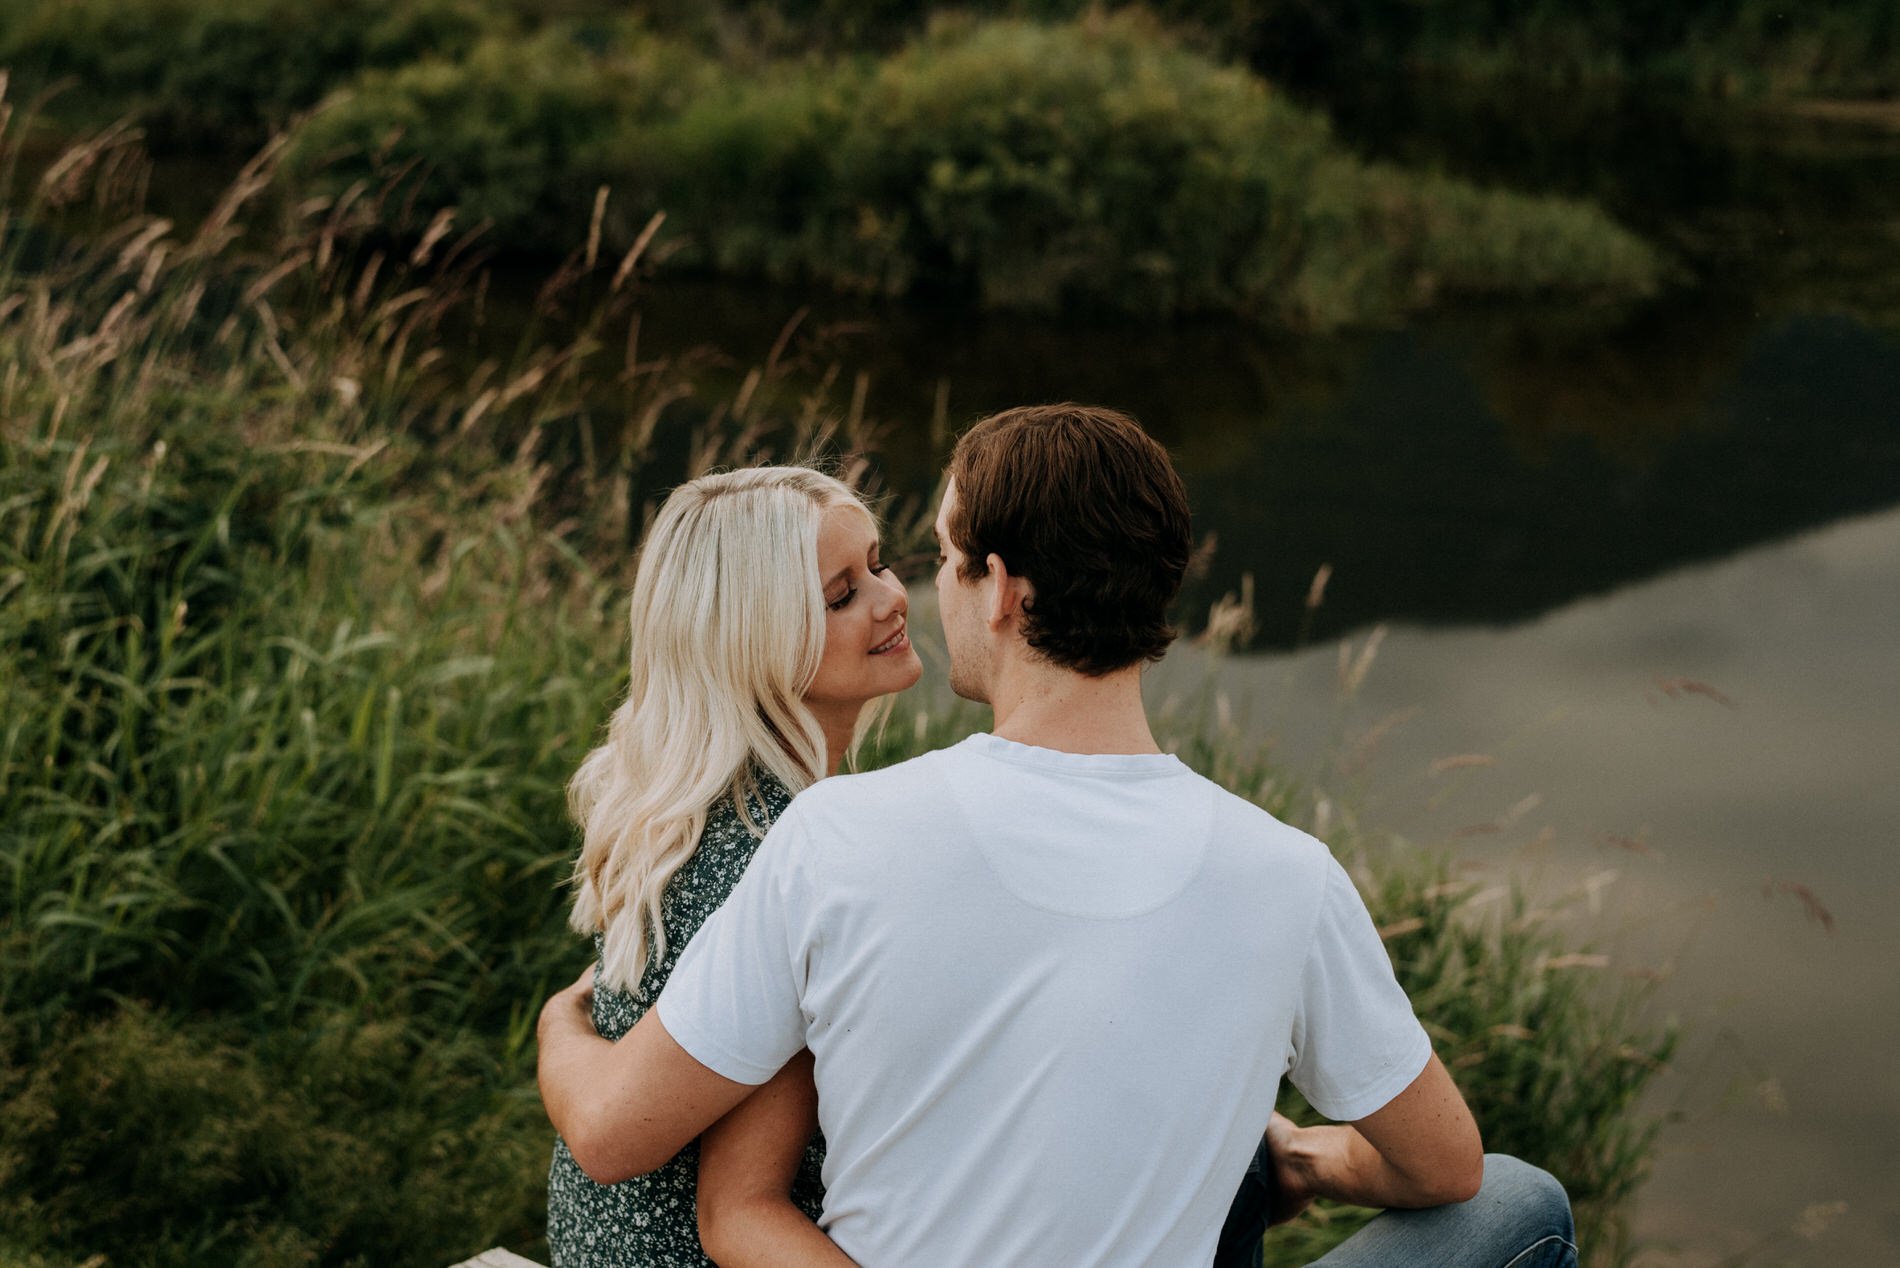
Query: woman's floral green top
x=652, y=1220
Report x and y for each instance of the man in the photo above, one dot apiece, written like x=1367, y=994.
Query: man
x=1050, y=978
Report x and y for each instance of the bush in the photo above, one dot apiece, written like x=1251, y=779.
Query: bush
x=1099, y=167
x=1093, y=167
x=218, y=74
x=511, y=135
x=186, y=1140
x=746, y=172
x=1371, y=240
x=223, y=73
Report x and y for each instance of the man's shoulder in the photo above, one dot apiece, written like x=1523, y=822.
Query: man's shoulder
x=1239, y=814
x=1253, y=837
x=845, y=793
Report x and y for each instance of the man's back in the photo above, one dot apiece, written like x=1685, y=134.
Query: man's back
x=1050, y=997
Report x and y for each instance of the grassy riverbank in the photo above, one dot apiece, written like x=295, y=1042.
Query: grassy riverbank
x=303, y=625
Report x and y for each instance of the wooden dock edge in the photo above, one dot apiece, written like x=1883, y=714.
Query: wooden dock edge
x=497, y=1258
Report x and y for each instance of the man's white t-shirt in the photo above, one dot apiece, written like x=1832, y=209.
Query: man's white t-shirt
x=1050, y=998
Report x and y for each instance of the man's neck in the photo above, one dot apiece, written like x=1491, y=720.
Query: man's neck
x=1039, y=704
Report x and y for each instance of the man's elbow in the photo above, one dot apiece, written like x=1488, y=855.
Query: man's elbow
x=1463, y=1183
x=1459, y=1179
x=1451, y=1174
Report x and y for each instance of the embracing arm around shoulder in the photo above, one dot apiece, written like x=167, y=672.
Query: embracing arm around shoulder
x=623, y=1108
x=747, y=1162
x=1421, y=1149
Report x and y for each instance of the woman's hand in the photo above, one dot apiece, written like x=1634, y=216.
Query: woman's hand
x=581, y=990
x=575, y=1000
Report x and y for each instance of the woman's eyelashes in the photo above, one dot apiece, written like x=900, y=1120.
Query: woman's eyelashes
x=843, y=601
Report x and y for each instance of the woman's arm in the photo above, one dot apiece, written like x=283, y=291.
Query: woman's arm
x=746, y=1164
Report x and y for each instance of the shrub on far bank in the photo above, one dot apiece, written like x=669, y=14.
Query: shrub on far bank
x=221, y=73
x=1094, y=168
x=218, y=74
x=513, y=133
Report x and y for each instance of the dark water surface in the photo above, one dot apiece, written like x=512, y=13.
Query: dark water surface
x=1470, y=468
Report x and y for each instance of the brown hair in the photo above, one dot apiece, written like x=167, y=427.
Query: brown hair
x=1087, y=506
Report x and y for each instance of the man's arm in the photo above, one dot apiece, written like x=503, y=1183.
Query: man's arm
x=747, y=1162
x=1421, y=1149
x=623, y=1108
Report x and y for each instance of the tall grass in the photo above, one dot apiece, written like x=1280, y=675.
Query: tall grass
x=310, y=589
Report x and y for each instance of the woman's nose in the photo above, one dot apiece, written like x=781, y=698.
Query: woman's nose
x=891, y=596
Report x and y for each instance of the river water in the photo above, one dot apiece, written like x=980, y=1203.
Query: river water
x=1646, y=561
x=1697, y=813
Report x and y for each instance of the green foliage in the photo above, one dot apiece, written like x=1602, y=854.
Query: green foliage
x=512, y=134
x=218, y=73
x=191, y=1141
x=229, y=781
x=1374, y=239
x=1722, y=47
x=1755, y=48
x=223, y=72
x=748, y=171
x=292, y=696
x=1093, y=167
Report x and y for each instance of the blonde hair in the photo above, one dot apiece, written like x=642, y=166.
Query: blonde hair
x=728, y=626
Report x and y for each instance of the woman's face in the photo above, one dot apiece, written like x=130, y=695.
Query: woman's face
x=867, y=648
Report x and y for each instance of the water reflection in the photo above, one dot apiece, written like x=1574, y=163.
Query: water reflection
x=1775, y=212
x=1483, y=468
x=1786, y=1082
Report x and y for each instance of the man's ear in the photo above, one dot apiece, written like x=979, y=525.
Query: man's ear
x=1009, y=594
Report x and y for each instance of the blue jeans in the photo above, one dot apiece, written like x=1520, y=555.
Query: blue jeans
x=1519, y=1219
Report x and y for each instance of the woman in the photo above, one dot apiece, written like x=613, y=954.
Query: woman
x=763, y=622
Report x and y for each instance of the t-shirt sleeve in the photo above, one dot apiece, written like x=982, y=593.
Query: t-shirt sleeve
x=1356, y=1042
x=733, y=1001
